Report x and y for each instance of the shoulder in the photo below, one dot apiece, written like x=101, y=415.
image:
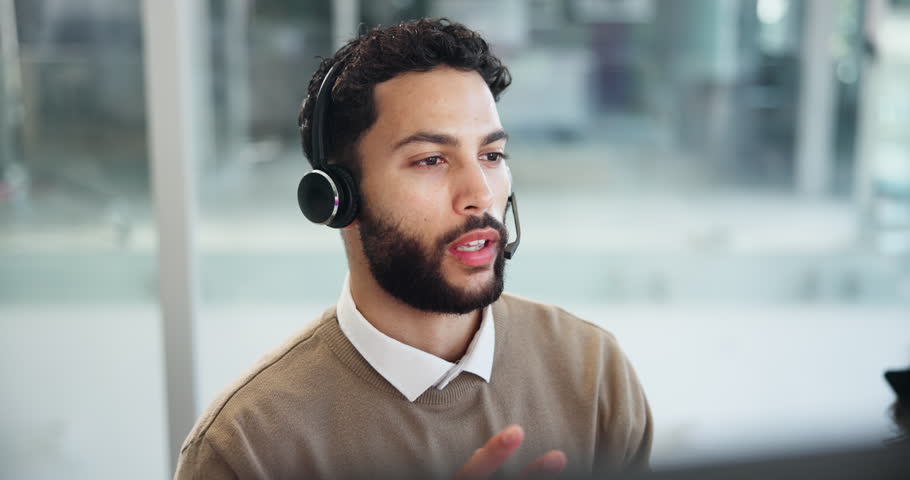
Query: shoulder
x=514, y=311
x=272, y=373
x=562, y=342
x=585, y=359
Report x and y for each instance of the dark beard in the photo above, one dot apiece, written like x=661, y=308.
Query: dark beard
x=404, y=269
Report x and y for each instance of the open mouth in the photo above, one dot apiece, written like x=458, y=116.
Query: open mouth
x=472, y=246
x=476, y=248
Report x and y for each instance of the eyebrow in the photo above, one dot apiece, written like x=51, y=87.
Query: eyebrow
x=444, y=139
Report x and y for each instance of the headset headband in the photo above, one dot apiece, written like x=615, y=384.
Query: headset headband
x=320, y=116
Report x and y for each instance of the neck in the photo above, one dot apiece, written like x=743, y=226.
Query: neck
x=446, y=336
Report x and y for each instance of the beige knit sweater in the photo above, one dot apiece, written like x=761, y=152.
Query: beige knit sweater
x=314, y=408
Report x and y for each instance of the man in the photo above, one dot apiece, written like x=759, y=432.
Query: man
x=424, y=367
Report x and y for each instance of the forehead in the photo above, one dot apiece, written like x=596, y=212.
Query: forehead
x=442, y=99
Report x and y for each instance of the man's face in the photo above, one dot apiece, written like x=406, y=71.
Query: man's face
x=435, y=185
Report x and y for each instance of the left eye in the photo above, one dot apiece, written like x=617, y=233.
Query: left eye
x=494, y=156
x=430, y=161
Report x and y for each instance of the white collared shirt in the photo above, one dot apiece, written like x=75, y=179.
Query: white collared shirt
x=408, y=369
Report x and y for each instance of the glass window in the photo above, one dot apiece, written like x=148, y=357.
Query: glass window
x=724, y=185
x=678, y=185
x=80, y=353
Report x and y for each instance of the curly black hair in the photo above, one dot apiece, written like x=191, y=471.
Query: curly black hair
x=379, y=55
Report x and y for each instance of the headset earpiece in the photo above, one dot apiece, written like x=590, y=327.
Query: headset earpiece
x=349, y=200
x=327, y=195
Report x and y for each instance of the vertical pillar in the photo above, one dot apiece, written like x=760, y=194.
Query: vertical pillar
x=237, y=100
x=171, y=57
x=11, y=112
x=814, y=157
x=875, y=11
x=345, y=21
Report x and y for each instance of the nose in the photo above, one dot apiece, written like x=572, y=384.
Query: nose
x=473, y=193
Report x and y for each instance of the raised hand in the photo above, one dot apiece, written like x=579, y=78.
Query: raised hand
x=488, y=458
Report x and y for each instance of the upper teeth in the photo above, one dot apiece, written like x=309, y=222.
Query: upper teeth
x=471, y=246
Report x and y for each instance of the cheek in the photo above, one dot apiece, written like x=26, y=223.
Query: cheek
x=503, y=190
x=423, y=212
x=415, y=212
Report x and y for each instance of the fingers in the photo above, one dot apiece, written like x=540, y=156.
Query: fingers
x=488, y=458
x=550, y=463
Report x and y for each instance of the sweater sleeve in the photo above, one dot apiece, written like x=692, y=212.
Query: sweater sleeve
x=200, y=460
x=641, y=434
x=626, y=429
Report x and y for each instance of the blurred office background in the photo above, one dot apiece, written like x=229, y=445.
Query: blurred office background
x=724, y=184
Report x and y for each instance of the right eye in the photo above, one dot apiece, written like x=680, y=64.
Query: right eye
x=433, y=161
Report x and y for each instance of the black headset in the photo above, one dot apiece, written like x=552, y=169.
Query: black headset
x=328, y=194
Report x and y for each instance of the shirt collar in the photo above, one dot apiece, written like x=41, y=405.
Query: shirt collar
x=412, y=371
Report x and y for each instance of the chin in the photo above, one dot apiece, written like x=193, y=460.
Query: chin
x=471, y=278
x=478, y=285
x=476, y=282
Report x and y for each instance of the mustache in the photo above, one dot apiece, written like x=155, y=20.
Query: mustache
x=474, y=223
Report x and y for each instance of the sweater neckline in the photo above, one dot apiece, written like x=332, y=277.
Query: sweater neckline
x=461, y=386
